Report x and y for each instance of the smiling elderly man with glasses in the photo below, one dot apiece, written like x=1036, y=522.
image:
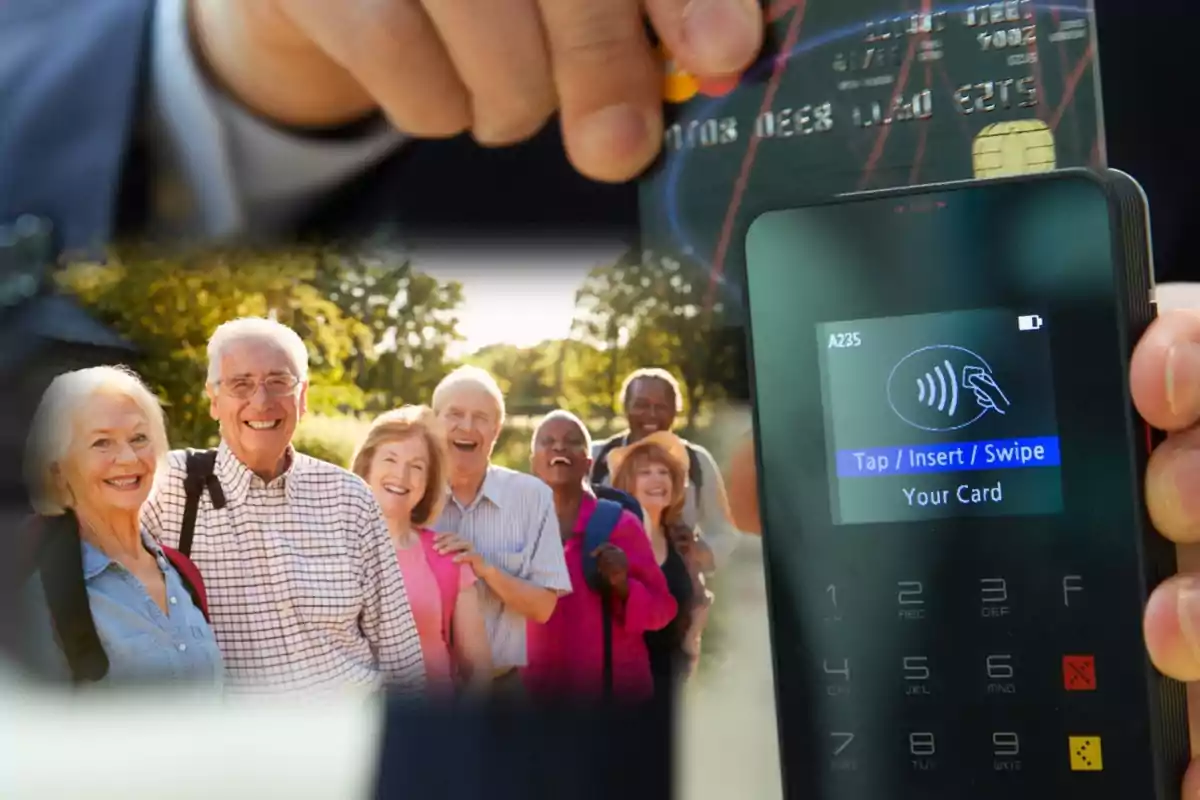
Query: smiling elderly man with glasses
x=304, y=588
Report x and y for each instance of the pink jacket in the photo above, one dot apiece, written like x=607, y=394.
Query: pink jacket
x=566, y=654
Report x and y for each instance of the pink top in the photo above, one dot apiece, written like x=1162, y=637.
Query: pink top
x=425, y=600
x=566, y=654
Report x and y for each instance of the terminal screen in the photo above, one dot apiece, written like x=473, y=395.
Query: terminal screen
x=939, y=415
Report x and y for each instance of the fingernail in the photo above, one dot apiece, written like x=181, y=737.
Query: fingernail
x=1188, y=607
x=615, y=140
x=1183, y=379
x=721, y=35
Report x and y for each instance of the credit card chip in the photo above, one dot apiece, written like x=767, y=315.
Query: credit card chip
x=1013, y=147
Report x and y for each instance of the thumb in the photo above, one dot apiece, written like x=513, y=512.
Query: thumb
x=1172, y=627
x=1191, y=782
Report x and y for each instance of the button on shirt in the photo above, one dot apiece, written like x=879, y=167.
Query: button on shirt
x=304, y=589
x=143, y=643
x=512, y=524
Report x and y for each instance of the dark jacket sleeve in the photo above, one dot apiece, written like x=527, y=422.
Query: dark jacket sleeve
x=70, y=78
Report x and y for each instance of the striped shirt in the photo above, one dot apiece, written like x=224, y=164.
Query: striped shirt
x=512, y=524
x=304, y=589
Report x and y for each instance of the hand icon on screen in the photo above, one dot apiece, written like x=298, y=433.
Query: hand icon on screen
x=987, y=392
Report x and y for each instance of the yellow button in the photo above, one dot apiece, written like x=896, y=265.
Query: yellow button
x=1085, y=754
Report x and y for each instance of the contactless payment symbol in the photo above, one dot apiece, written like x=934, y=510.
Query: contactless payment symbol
x=944, y=387
x=1013, y=147
x=1079, y=673
x=1085, y=754
x=679, y=85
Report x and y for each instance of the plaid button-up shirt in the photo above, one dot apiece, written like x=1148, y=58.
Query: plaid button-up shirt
x=304, y=588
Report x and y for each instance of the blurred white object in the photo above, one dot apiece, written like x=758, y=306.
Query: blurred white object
x=160, y=744
x=1177, y=295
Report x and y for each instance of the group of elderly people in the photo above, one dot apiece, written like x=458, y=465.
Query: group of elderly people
x=424, y=567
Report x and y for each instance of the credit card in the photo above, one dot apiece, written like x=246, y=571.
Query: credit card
x=852, y=95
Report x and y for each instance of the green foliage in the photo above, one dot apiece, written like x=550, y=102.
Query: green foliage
x=376, y=331
x=657, y=312
x=408, y=321
x=330, y=438
x=557, y=374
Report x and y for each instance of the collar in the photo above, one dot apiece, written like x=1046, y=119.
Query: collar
x=95, y=561
x=237, y=479
x=492, y=490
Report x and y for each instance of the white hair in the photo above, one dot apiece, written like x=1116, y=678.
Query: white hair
x=561, y=413
x=256, y=329
x=63, y=406
x=468, y=376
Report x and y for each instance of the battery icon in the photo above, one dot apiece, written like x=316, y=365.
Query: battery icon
x=1029, y=322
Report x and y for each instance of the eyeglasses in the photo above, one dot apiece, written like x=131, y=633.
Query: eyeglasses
x=276, y=386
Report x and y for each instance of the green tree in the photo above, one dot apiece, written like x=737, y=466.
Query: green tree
x=525, y=375
x=408, y=322
x=554, y=374
x=606, y=310
x=648, y=310
x=585, y=380
x=168, y=304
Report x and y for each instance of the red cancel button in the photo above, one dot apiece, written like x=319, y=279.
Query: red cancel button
x=1079, y=673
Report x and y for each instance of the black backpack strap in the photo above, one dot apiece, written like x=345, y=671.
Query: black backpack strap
x=607, y=621
x=695, y=471
x=201, y=466
x=60, y=566
x=600, y=463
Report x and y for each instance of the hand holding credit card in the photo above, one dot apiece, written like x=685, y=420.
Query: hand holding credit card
x=851, y=95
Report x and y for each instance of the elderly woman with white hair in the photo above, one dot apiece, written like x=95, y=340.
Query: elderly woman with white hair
x=107, y=603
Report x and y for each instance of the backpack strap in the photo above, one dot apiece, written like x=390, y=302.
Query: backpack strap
x=201, y=465
x=598, y=531
x=59, y=563
x=192, y=580
x=600, y=462
x=695, y=471
x=627, y=501
x=447, y=574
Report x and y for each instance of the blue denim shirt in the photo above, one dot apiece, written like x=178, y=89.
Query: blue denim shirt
x=143, y=644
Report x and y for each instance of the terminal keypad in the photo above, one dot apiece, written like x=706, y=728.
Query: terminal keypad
x=937, y=685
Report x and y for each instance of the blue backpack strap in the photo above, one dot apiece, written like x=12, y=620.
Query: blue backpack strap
x=597, y=532
x=625, y=499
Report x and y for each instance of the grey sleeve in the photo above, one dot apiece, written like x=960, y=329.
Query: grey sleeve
x=222, y=171
x=712, y=513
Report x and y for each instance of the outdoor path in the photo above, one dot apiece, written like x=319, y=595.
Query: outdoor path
x=728, y=736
